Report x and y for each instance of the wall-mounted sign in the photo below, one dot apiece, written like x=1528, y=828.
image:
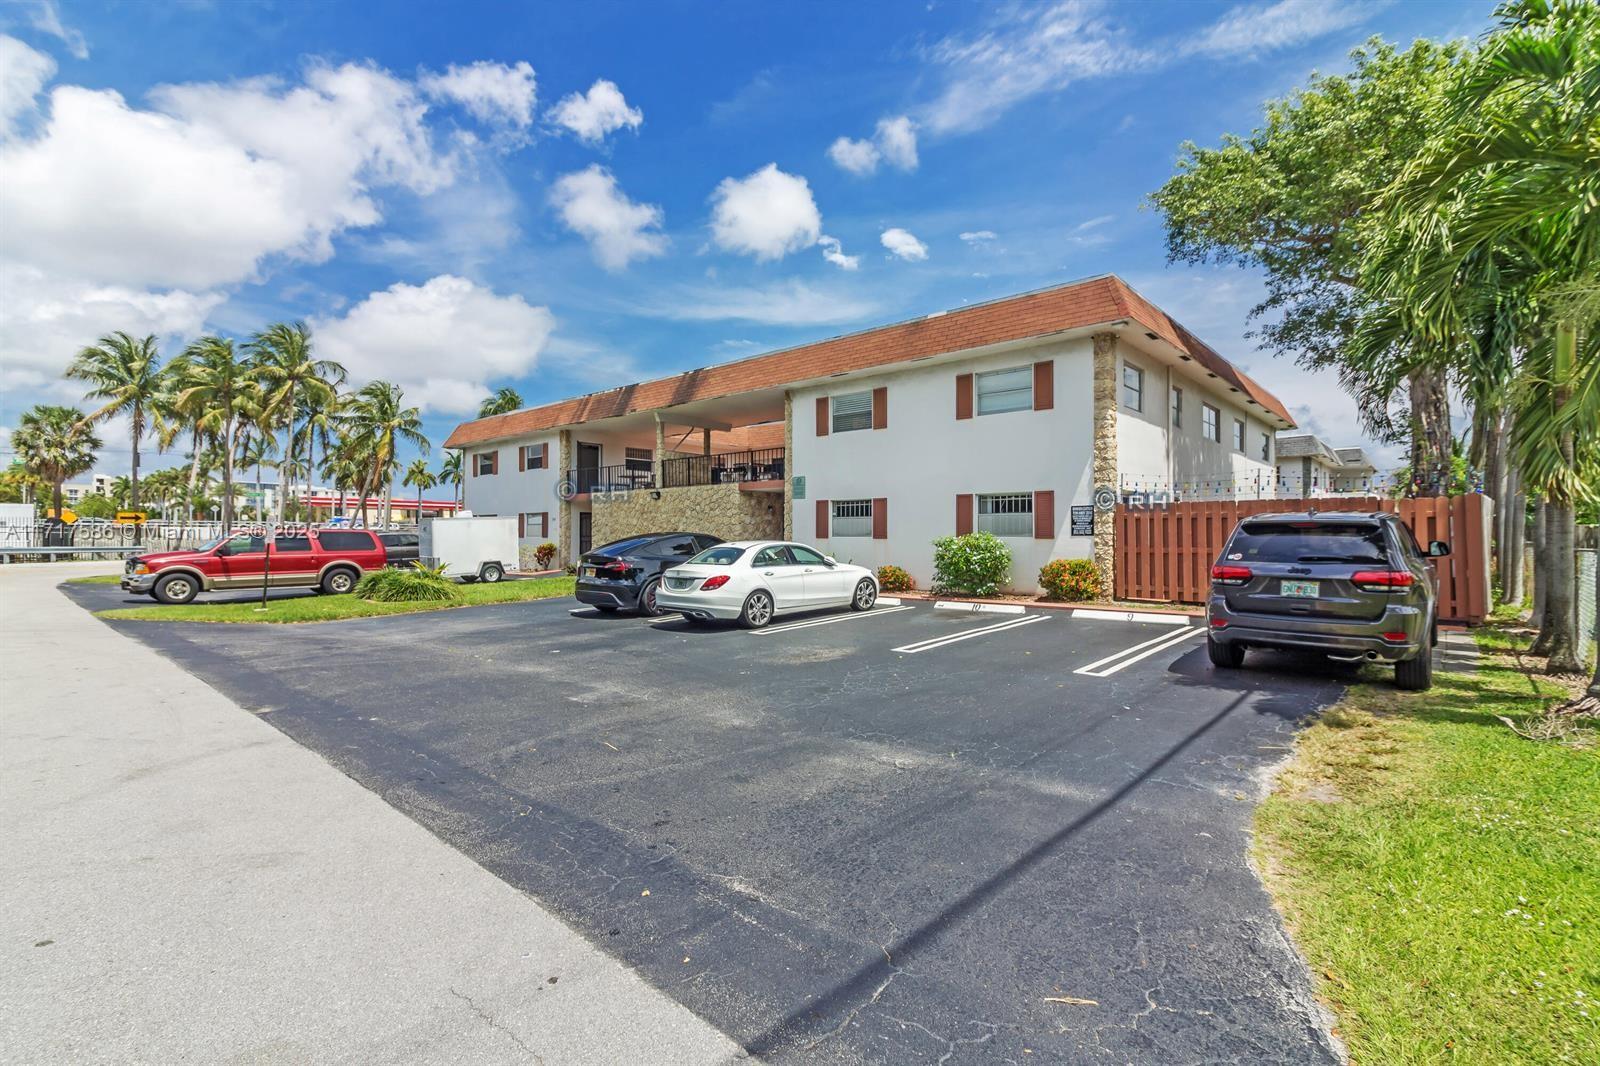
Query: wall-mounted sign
x=799, y=482
x=1083, y=521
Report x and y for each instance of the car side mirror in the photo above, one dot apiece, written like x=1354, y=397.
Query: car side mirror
x=223, y=550
x=830, y=560
x=1438, y=549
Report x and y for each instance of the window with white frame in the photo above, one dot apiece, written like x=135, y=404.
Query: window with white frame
x=638, y=459
x=1132, y=388
x=999, y=391
x=536, y=524
x=1211, y=423
x=533, y=457
x=1238, y=435
x=1177, y=408
x=853, y=410
x=1006, y=514
x=484, y=462
x=851, y=518
x=1266, y=447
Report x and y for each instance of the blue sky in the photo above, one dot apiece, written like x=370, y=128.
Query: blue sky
x=566, y=198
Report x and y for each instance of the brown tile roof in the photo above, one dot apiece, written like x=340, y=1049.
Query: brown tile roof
x=1085, y=303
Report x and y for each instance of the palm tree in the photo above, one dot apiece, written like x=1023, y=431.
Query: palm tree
x=126, y=376
x=55, y=443
x=290, y=373
x=504, y=401
x=376, y=421
x=215, y=389
x=319, y=427
x=419, y=477
x=257, y=445
x=450, y=472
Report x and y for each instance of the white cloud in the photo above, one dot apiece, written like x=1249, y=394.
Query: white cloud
x=214, y=180
x=23, y=72
x=617, y=229
x=1093, y=223
x=767, y=214
x=45, y=16
x=791, y=303
x=895, y=143
x=596, y=113
x=442, y=341
x=904, y=245
x=833, y=252
x=979, y=236
x=492, y=93
x=1251, y=29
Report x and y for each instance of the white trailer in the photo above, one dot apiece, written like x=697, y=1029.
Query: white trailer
x=473, y=548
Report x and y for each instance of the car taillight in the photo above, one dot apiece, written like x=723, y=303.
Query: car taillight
x=1382, y=580
x=714, y=582
x=1396, y=636
x=1219, y=623
x=1231, y=575
x=617, y=569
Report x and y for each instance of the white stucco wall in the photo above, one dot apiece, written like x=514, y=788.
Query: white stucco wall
x=514, y=491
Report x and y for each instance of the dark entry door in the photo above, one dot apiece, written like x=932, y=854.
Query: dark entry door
x=585, y=532
x=588, y=466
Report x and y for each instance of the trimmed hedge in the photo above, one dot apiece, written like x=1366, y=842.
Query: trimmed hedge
x=978, y=564
x=892, y=578
x=1072, y=580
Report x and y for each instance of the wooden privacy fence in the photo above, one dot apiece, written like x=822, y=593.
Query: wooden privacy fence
x=1165, y=553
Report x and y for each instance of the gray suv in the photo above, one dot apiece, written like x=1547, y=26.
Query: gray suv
x=1351, y=586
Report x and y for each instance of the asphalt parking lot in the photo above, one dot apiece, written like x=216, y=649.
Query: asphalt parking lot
x=910, y=835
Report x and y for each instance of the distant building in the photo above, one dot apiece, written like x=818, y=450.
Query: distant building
x=1310, y=466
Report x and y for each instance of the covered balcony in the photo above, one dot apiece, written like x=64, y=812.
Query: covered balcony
x=753, y=470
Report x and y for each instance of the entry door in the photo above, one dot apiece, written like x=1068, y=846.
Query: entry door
x=585, y=532
x=588, y=468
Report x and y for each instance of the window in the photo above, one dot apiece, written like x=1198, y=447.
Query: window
x=999, y=391
x=1132, y=387
x=773, y=556
x=1177, y=408
x=722, y=555
x=291, y=544
x=853, y=410
x=805, y=556
x=1211, y=423
x=1238, y=435
x=244, y=545
x=334, y=540
x=1281, y=542
x=536, y=524
x=851, y=518
x=1007, y=514
x=1266, y=447
x=638, y=459
x=484, y=462
x=532, y=457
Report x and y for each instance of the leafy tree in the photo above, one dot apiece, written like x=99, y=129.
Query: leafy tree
x=96, y=506
x=1290, y=199
x=55, y=443
x=376, y=421
x=214, y=388
x=291, y=375
x=504, y=401
x=419, y=477
x=450, y=472
x=20, y=485
x=125, y=376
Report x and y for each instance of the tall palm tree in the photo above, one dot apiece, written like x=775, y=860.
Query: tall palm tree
x=450, y=472
x=376, y=423
x=419, y=477
x=504, y=401
x=258, y=446
x=214, y=388
x=55, y=443
x=319, y=427
x=290, y=372
x=125, y=375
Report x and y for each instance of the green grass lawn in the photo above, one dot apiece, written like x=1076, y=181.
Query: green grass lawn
x=1442, y=874
x=334, y=608
x=97, y=579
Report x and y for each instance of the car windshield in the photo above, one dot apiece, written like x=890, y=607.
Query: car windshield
x=213, y=542
x=721, y=555
x=1276, y=542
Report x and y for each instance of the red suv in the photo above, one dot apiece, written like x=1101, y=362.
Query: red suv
x=331, y=560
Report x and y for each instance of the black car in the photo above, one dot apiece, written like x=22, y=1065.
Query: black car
x=1352, y=586
x=625, y=574
x=401, y=548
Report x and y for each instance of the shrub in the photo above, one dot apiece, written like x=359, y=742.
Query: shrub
x=394, y=584
x=975, y=563
x=1070, y=579
x=543, y=555
x=893, y=579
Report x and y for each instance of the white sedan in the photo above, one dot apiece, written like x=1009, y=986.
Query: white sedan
x=753, y=581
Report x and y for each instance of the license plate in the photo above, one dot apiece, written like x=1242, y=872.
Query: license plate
x=591, y=571
x=1304, y=589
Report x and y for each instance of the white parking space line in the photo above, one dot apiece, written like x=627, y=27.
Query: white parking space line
x=1128, y=656
x=939, y=642
x=807, y=624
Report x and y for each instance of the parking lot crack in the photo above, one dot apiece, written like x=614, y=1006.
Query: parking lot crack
x=489, y=1020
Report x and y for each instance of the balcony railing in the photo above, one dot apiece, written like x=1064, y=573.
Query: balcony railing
x=762, y=464
x=620, y=478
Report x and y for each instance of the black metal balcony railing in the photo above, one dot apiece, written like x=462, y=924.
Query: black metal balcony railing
x=762, y=464
x=620, y=478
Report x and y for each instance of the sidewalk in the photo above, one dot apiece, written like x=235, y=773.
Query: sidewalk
x=183, y=883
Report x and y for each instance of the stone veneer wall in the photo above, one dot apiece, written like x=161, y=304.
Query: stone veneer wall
x=721, y=510
x=1105, y=454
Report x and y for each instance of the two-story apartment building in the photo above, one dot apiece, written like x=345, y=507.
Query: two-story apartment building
x=1004, y=416
x=1310, y=466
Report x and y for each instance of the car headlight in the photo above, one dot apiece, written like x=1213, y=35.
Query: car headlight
x=141, y=569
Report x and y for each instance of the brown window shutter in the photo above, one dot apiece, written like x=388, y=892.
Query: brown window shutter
x=472, y=460
x=963, y=396
x=544, y=525
x=522, y=525
x=544, y=455
x=1044, y=385
x=880, y=518
x=822, y=519
x=880, y=408
x=1044, y=515
x=522, y=459
x=963, y=514
x=822, y=416
x=494, y=461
